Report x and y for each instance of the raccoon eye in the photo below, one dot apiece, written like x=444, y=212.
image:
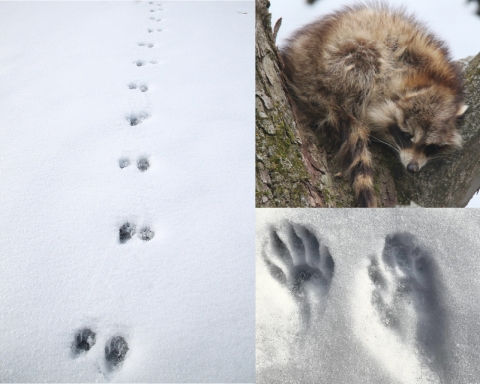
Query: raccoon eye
x=407, y=136
x=431, y=149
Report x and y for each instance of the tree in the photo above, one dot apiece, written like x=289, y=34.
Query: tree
x=295, y=168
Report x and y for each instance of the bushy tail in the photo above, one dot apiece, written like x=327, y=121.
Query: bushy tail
x=354, y=151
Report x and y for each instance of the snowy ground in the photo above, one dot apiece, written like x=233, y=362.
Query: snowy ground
x=453, y=21
x=347, y=296
x=88, y=87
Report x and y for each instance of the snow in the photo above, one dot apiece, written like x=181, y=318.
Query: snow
x=416, y=325
x=453, y=21
x=183, y=301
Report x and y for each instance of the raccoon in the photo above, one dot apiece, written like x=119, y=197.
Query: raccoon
x=372, y=72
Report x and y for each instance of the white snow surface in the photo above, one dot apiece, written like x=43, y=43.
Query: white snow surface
x=184, y=301
x=347, y=342
x=455, y=22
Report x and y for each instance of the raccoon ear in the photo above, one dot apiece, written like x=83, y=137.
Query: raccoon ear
x=462, y=110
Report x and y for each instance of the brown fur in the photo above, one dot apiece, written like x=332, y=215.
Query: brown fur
x=371, y=72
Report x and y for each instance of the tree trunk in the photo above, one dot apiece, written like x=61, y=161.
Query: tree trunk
x=295, y=168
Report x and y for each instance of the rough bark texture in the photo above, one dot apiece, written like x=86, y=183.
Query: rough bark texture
x=294, y=168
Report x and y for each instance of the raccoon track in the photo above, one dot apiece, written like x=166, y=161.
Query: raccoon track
x=115, y=351
x=407, y=300
x=141, y=63
x=145, y=44
x=141, y=87
x=150, y=30
x=137, y=118
x=84, y=340
x=143, y=164
x=123, y=162
x=146, y=234
x=126, y=232
x=303, y=265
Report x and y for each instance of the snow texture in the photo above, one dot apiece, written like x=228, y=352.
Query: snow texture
x=455, y=22
x=398, y=302
x=91, y=141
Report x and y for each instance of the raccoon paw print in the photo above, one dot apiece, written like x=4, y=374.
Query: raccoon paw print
x=84, y=340
x=143, y=164
x=146, y=234
x=303, y=265
x=123, y=162
x=145, y=44
x=115, y=351
x=137, y=118
x=126, y=232
x=150, y=30
x=140, y=87
x=406, y=301
x=140, y=63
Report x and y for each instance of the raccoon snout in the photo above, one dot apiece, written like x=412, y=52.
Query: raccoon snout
x=412, y=167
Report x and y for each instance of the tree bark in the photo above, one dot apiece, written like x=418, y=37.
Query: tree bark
x=295, y=168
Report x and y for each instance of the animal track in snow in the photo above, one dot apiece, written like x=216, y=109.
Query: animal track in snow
x=303, y=265
x=126, y=232
x=143, y=164
x=145, y=44
x=406, y=300
x=141, y=87
x=84, y=340
x=115, y=351
x=141, y=63
x=146, y=234
x=136, y=118
x=123, y=162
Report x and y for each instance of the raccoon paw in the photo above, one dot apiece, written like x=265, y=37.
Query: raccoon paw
x=84, y=340
x=303, y=265
x=406, y=299
x=115, y=351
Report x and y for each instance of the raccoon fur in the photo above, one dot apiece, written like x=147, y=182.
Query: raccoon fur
x=370, y=72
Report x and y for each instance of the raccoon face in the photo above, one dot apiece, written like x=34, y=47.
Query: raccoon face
x=418, y=126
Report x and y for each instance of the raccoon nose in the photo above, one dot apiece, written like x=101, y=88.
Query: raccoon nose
x=412, y=167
